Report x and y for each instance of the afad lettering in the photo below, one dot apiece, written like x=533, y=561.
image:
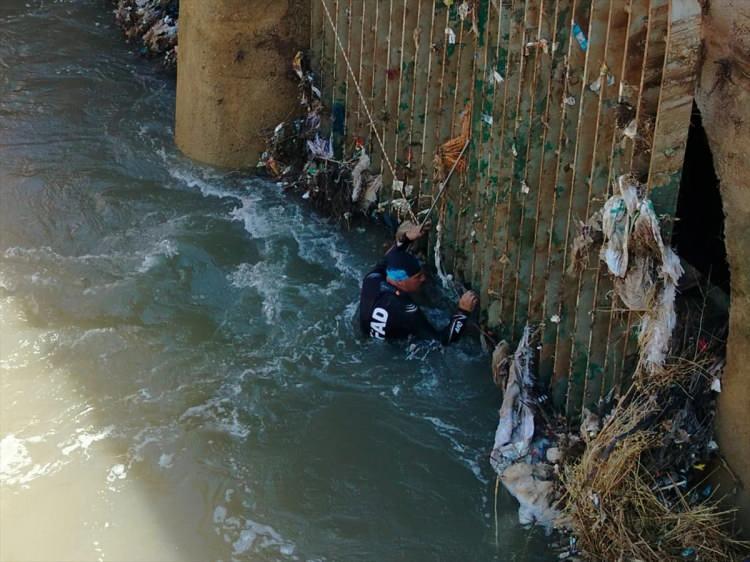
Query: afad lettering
x=378, y=322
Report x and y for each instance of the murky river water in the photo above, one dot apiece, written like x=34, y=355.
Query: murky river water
x=181, y=376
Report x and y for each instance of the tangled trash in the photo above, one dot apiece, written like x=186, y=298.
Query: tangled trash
x=631, y=482
x=513, y=457
x=300, y=155
x=639, y=491
x=645, y=270
x=152, y=23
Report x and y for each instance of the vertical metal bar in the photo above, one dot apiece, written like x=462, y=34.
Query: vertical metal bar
x=533, y=156
x=653, y=66
x=548, y=172
x=505, y=156
x=486, y=199
x=397, y=112
x=484, y=98
x=571, y=107
x=632, y=68
x=516, y=195
x=427, y=115
x=568, y=347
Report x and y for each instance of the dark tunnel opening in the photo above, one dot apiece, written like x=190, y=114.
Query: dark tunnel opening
x=699, y=230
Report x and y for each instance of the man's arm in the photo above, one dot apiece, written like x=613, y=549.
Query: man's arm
x=422, y=328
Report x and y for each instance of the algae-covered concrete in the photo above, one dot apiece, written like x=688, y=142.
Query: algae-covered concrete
x=724, y=100
x=233, y=75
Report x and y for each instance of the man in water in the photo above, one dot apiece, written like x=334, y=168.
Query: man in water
x=386, y=309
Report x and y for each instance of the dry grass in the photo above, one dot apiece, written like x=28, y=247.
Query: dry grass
x=614, y=503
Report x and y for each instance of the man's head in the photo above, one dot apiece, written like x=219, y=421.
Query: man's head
x=404, y=271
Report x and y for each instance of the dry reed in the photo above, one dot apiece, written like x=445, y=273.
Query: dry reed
x=614, y=498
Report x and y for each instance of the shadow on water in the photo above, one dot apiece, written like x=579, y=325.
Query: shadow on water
x=181, y=376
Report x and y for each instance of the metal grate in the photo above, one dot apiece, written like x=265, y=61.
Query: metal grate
x=553, y=85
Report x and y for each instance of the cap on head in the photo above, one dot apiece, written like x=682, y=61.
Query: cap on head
x=401, y=265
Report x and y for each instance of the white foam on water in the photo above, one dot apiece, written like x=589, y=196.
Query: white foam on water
x=166, y=460
x=14, y=457
x=268, y=220
x=47, y=254
x=84, y=438
x=117, y=472
x=441, y=425
x=100, y=341
x=263, y=221
x=220, y=514
x=42, y=281
x=323, y=246
x=265, y=277
x=164, y=249
x=16, y=462
x=218, y=414
x=190, y=179
x=451, y=433
x=246, y=535
x=318, y=243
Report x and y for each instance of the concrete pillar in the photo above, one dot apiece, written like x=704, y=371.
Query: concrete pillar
x=234, y=76
x=724, y=100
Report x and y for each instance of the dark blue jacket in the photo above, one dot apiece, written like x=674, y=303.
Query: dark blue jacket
x=385, y=312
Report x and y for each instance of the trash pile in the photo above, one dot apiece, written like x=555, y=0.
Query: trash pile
x=645, y=270
x=521, y=465
x=152, y=24
x=631, y=483
x=639, y=491
x=300, y=156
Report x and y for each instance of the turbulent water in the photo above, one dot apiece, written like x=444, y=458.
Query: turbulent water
x=181, y=374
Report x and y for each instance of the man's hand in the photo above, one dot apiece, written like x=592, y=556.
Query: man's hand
x=468, y=302
x=409, y=232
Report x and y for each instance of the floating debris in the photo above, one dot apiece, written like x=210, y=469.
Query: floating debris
x=463, y=10
x=451, y=35
x=631, y=130
x=604, y=77
x=630, y=483
x=301, y=153
x=580, y=37
x=542, y=44
x=153, y=23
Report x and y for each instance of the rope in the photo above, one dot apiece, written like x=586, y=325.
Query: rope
x=362, y=98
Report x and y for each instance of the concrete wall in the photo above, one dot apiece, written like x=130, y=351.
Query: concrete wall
x=724, y=100
x=233, y=75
